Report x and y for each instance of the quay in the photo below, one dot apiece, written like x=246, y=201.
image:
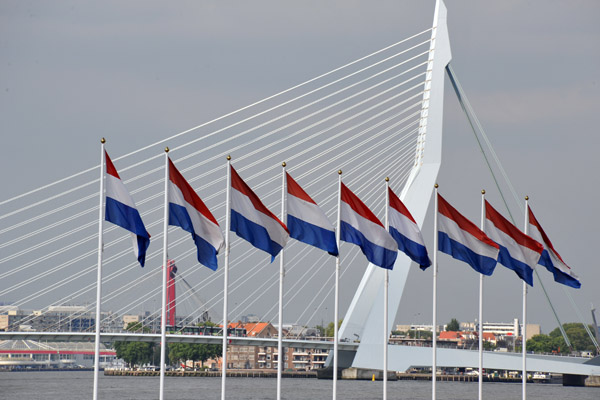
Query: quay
x=405, y=376
x=242, y=373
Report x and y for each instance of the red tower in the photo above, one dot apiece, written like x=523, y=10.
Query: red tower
x=171, y=309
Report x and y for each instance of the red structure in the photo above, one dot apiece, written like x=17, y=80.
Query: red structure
x=171, y=307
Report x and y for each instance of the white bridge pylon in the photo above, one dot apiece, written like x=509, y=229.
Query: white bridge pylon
x=364, y=318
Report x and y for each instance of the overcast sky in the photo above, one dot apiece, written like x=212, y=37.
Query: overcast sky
x=137, y=72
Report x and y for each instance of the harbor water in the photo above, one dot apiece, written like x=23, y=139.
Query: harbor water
x=76, y=385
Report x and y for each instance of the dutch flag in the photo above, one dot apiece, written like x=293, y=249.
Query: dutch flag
x=406, y=232
x=360, y=226
x=121, y=211
x=518, y=251
x=189, y=212
x=463, y=240
x=306, y=221
x=550, y=257
x=252, y=221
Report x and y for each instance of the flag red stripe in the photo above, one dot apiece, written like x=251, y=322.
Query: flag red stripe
x=463, y=223
x=399, y=206
x=189, y=194
x=295, y=190
x=110, y=168
x=238, y=184
x=505, y=226
x=358, y=206
x=545, y=238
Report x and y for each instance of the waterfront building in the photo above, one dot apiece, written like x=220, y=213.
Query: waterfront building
x=29, y=354
x=267, y=357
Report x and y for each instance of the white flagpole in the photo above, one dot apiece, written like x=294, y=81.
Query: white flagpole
x=99, y=278
x=435, y=267
x=480, y=385
x=524, y=340
x=163, y=322
x=226, y=277
x=280, y=356
x=385, y=295
x=337, y=292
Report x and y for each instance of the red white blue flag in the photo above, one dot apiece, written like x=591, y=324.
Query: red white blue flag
x=463, y=240
x=518, y=251
x=189, y=212
x=121, y=211
x=550, y=257
x=360, y=226
x=251, y=220
x=306, y=221
x=406, y=232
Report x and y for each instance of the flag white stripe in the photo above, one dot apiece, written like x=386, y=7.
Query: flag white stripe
x=242, y=205
x=308, y=212
x=521, y=253
x=115, y=189
x=451, y=228
x=203, y=227
x=405, y=226
x=369, y=229
x=558, y=264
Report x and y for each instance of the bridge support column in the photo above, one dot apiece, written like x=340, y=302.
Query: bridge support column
x=573, y=380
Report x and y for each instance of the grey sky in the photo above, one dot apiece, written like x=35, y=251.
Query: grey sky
x=137, y=72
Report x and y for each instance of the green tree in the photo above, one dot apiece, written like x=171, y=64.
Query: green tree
x=182, y=352
x=554, y=342
x=420, y=334
x=540, y=344
x=453, y=325
x=330, y=330
x=136, y=353
x=321, y=329
x=577, y=336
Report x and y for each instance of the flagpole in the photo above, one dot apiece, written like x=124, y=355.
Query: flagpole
x=226, y=277
x=480, y=384
x=337, y=292
x=163, y=322
x=435, y=268
x=280, y=357
x=385, y=295
x=524, y=334
x=99, y=277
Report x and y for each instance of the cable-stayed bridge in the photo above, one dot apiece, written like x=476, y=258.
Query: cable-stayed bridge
x=378, y=116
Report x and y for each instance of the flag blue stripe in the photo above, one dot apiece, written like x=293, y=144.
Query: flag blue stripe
x=207, y=254
x=482, y=264
x=254, y=233
x=128, y=218
x=377, y=255
x=559, y=276
x=521, y=269
x=311, y=234
x=416, y=251
x=546, y=261
x=565, y=279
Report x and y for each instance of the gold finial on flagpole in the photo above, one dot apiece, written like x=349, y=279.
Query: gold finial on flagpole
x=387, y=178
x=436, y=186
x=339, y=171
x=102, y=140
x=228, y=158
x=482, y=191
x=526, y=197
x=283, y=164
x=166, y=149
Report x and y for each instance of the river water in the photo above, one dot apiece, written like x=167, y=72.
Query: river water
x=78, y=385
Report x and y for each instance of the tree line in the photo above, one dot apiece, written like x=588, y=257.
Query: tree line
x=140, y=353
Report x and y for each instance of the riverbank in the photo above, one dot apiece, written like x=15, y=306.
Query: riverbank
x=235, y=373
